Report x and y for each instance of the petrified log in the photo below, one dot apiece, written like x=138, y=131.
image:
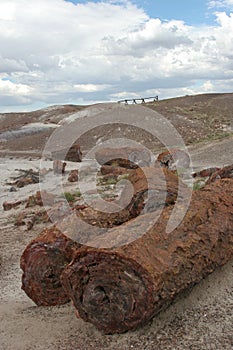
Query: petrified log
x=152, y=188
x=206, y=172
x=114, y=171
x=10, y=205
x=72, y=154
x=121, y=288
x=25, y=178
x=225, y=172
x=174, y=159
x=160, y=183
x=59, y=166
x=42, y=263
x=41, y=198
x=73, y=176
x=126, y=157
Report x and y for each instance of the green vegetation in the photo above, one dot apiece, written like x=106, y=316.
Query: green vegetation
x=198, y=185
x=111, y=181
x=71, y=197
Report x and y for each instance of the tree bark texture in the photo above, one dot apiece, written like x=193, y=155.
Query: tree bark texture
x=152, y=189
x=46, y=256
x=122, y=288
x=42, y=263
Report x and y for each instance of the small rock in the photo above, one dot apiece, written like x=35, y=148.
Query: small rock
x=8, y=206
x=12, y=189
x=73, y=176
x=59, y=166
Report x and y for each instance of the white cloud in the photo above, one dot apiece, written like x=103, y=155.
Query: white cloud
x=90, y=87
x=9, y=88
x=53, y=51
x=227, y=4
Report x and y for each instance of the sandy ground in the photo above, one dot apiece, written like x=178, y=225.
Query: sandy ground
x=201, y=318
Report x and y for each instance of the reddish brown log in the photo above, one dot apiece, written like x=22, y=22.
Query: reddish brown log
x=224, y=173
x=173, y=159
x=73, y=176
x=206, y=172
x=72, y=154
x=10, y=205
x=114, y=171
x=41, y=198
x=42, y=262
x=121, y=288
x=162, y=185
x=126, y=157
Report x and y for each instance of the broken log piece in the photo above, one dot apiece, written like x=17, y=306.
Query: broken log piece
x=205, y=172
x=122, y=288
x=152, y=189
x=114, y=171
x=42, y=263
x=10, y=205
x=59, y=167
x=73, y=176
x=41, y=198
x=126, y=157
x=26, y=177
x=174, y=159
x=72, y=154
x=224, y=173
x=155, y=187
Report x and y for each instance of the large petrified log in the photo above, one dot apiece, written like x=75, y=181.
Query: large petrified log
x=121, y=288
x=127, y=157
x=46, y=256
x=152, y=189
x=42, y=263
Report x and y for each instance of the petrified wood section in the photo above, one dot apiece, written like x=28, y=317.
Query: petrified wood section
x=161, y=183
x=173, y=159
x=72, y=154
x=126, y=157
x=152, y=188
x=42, y=263
x=206, y=172
x=122, y=288
x=73, y=176
x=226, y=172
x=59, y=166
x=114, y=171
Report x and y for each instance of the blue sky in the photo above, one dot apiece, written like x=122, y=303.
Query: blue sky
x=192, y=12
x=83, y=52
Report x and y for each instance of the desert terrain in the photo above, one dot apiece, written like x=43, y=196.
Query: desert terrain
x=200, y=318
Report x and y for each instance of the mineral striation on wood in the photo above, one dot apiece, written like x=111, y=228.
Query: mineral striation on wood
x=42, y=263
x=152, y=189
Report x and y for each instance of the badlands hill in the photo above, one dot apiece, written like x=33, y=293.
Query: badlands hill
x=197, y=118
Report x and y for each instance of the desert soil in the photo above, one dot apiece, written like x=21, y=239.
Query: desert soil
x=201, y=318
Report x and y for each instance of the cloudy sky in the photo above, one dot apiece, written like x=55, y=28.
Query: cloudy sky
x=81, y=52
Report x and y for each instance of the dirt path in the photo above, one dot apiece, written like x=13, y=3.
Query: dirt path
x=214, y=153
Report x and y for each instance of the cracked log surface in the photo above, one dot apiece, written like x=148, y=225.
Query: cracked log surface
x=42, y=263
x=152, y=188
x=122, y=288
